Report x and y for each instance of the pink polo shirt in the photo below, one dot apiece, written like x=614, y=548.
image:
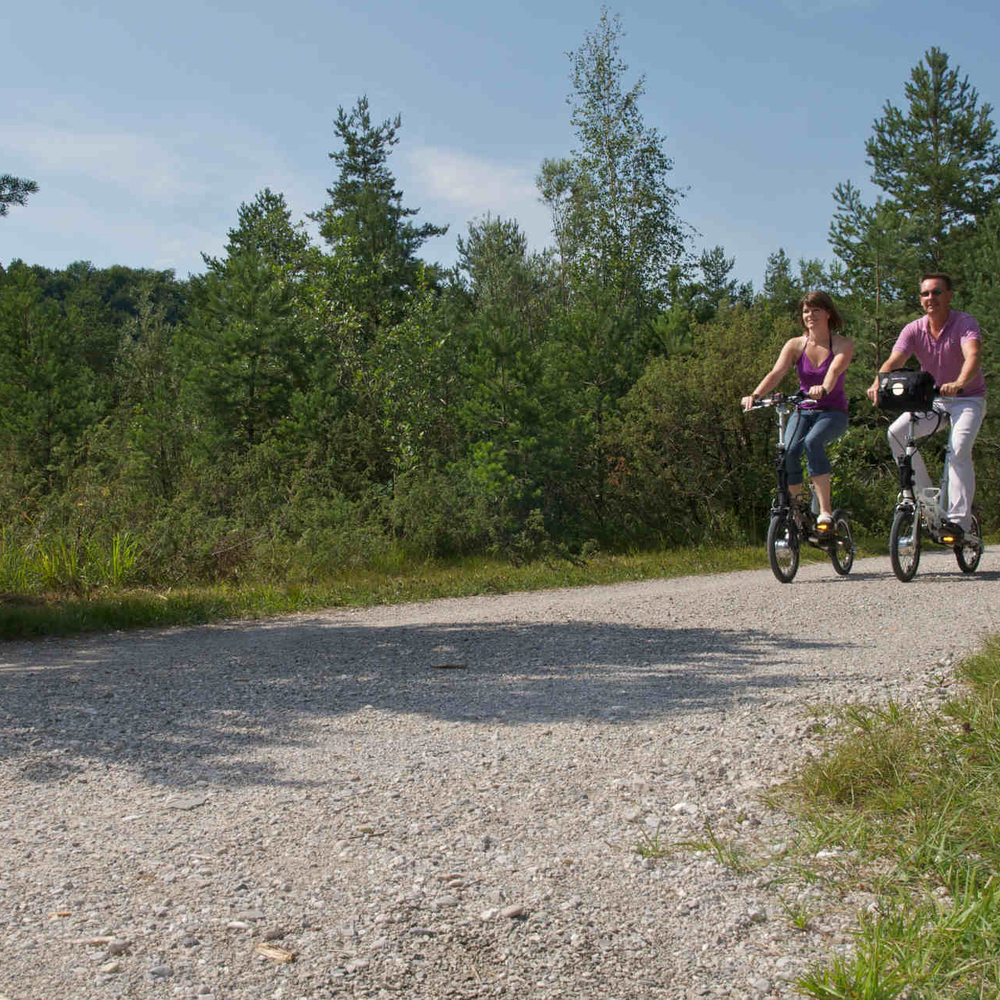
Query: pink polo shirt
x=943, y=357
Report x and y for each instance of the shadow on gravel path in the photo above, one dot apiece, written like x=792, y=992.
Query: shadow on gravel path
x=211, y=698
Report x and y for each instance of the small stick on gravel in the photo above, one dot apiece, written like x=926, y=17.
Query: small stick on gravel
x=273, y=952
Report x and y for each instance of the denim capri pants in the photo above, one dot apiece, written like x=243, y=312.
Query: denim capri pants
x=811, y=431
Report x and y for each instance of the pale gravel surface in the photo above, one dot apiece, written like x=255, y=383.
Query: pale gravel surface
x=334, y=786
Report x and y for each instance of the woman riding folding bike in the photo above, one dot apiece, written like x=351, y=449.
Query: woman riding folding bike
x=821, y=357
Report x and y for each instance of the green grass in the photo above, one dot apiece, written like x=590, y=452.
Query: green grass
x=75, y=607
x=59, y=588
x=726, y=851
x=77, y=604
x=910, y=801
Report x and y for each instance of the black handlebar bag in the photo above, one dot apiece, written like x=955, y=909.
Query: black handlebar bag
x=905, y=389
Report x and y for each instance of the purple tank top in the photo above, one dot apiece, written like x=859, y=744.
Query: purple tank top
x=810, y=376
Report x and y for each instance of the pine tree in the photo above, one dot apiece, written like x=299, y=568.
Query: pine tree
x=780, y=289
x=244, y=349
x=14, y=191
x=365, y=218
x=266, y=228
x=938, y=165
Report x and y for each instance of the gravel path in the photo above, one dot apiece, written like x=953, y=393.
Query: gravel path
x=445, y=799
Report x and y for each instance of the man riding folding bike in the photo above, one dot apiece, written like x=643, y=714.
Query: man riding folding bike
x=946, y=343
x=922, y=511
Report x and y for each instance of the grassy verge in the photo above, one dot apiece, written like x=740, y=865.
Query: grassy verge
x=902, y=812
x=35, y=612
x=57, y=585
x=907, y=804
x=110, y=607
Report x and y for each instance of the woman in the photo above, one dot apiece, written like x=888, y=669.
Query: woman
x=821, y=357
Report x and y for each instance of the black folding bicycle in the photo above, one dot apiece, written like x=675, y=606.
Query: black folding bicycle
x=793, y=522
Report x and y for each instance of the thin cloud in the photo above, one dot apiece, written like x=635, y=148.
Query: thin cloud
x=148, y=168
x=468, y=182
x=469, y=187
x=145, y=200
x=135, y=236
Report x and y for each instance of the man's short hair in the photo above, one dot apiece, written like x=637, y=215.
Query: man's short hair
x=937, y=276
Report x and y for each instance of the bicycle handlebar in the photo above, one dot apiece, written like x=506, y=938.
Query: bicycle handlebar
x=791, y=398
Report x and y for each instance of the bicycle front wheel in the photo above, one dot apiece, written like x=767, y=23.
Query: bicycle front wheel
x=842, y=546
x=904, y=543
x=783, y=546
x=969, y=553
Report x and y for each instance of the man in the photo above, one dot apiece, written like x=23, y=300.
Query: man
x=946, y=343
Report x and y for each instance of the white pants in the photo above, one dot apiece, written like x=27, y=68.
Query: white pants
x=966, y=418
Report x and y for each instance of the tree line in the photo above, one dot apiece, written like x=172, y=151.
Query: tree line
x=304, y=405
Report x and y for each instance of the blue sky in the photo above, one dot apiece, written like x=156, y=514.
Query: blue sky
x=146, y=125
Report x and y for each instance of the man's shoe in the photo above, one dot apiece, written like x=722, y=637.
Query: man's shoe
x=951, y=533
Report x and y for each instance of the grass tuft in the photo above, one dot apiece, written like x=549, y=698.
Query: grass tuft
x=725, y=851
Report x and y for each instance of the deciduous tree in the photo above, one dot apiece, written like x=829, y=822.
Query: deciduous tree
x=614, y=212
x=47, y=393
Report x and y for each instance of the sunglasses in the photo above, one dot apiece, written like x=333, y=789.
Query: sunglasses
x=933, y=291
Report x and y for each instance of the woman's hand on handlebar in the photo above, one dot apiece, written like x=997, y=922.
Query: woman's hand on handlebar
x=754, y=402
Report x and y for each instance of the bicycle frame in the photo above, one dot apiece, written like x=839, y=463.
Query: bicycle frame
x=931, y=502
x=925, y=509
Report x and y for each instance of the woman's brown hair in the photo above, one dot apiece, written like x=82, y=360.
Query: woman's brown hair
x=824, y=301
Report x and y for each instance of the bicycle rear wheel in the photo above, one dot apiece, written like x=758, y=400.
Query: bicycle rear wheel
x=969, y=553
x=904, y=543
x=842, y=545
x=783, y=546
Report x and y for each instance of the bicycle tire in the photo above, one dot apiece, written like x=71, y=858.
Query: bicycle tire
x=904, y=543
x=783, y=546
x=968, y=555
x=842, y=546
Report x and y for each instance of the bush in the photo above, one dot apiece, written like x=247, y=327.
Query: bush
x=691, y=465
